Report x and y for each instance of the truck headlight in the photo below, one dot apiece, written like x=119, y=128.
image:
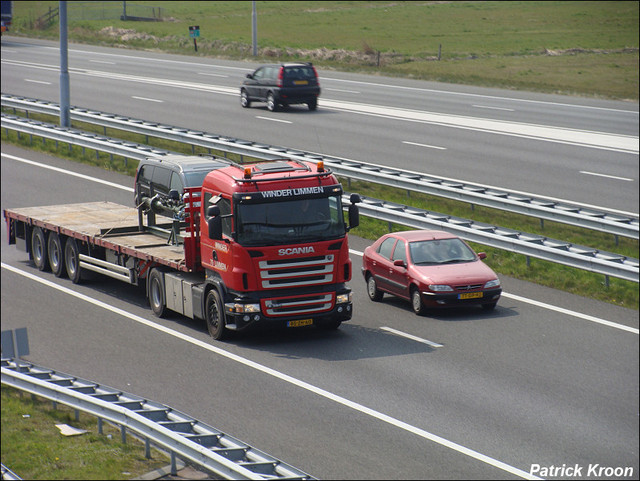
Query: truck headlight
x=247, y=308
x=343, y=298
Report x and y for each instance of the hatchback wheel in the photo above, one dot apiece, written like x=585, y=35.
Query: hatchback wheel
x=244, y=100
x=271, y=103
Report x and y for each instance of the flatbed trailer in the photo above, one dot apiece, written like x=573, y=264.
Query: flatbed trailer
x=105, y=224
x=109, y=238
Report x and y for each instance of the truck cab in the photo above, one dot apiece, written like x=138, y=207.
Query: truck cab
x=274, y=246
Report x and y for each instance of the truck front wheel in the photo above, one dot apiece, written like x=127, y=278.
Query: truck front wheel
x=215, y=315
x=39, y=249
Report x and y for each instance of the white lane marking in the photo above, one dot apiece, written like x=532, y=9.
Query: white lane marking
x=343, y=91
x=283, y=377
x=191, y=64
x=274, y=120
x=146, y=99
x=411, y=336
x=62, y=171
x=606, y=175
x=582, y=138
x=493, y=108
x=212, y=74
x=561, y=310
x=352, y=251
x=579, y=315
x=102, y=61
x=424, y=145
x=37, y=81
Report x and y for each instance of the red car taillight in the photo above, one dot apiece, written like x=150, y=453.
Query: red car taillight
x=280, y=76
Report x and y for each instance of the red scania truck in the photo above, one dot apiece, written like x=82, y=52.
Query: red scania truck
x=263, y=244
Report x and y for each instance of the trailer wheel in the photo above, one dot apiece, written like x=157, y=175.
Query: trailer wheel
x=56, y=255
x=72, y=260
x=215, y=315
x=39, y=249
x=156, y=293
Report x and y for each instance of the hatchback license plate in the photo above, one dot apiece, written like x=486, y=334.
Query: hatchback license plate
x=300, y=323
x=301, y=82
x=470, y=295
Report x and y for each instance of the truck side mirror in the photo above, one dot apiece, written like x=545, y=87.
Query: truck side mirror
x=214, y=222
x=213, y=211
x=354, y=216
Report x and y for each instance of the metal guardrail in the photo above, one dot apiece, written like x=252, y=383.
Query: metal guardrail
x=7, y=474
x=525, y=204
x=188, y=438
x=586, y=258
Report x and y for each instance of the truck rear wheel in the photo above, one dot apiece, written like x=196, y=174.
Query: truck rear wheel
x=156, y=293
x=72, y=260
x=215, y=315
x=39, y=249
x=56, y=255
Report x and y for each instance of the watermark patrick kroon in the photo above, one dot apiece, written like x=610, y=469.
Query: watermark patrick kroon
x=578, y=471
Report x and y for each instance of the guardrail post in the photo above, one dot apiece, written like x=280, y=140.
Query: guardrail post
x=174, y=468
x=147, y=448
x=123, y=434
x=99, y=425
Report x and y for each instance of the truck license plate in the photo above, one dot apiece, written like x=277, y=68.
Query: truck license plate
x=470, y=295
x=300, y=323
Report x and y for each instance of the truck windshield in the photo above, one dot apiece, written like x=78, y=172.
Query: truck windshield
x=289, y=222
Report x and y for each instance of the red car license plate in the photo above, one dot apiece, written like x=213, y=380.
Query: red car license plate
x=470, y=295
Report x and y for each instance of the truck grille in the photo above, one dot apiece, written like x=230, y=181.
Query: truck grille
x=289, y=306
x=299, y=272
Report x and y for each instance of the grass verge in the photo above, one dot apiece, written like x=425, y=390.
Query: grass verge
x=34, y=448
x=578, y=48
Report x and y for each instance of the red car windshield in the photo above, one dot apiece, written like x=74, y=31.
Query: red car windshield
x=440, y=251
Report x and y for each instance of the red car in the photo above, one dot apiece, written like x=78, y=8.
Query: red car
x=430, y=269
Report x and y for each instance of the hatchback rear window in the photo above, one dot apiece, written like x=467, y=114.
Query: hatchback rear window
x=299, y=73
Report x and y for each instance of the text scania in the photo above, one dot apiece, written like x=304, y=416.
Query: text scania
x=292, y=192
x=296, y=250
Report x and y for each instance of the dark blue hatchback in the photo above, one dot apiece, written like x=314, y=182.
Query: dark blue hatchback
x=281, y=85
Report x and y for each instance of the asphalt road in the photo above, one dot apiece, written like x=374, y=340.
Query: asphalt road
x=580, y=150
x=546, y=379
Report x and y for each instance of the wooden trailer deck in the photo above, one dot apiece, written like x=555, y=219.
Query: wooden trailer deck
x=105, y=224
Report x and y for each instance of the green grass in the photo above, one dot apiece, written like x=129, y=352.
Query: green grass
x=577, y=48
x=33, y=448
